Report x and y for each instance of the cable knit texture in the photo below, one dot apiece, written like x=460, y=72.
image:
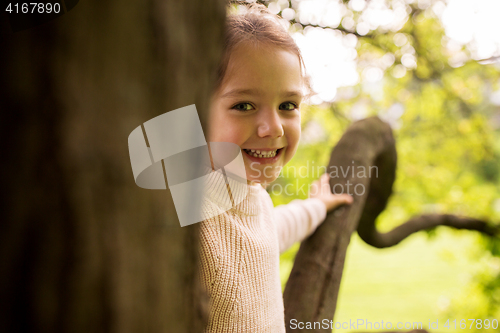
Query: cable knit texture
x=239, y=257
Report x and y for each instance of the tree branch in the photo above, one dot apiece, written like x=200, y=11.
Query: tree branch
x=423, y=222
x=315, y=277
x=339, y=28
x=488, y=60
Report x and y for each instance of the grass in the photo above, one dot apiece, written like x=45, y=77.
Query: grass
x=415, y=281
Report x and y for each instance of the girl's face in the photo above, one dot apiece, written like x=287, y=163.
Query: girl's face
x=257, y=108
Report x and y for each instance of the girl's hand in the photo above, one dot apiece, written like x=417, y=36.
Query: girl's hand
x=320, y=189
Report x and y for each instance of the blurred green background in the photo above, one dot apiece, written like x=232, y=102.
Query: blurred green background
x=431, y=70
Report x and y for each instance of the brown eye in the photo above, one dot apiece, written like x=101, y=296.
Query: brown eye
x=242, y=107
x=288, y=106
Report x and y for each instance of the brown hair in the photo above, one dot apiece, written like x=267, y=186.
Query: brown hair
x=257, y=25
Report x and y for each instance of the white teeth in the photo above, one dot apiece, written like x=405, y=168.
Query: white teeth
x=261, y=154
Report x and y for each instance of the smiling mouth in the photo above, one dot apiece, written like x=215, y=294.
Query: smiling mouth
x=262, y=153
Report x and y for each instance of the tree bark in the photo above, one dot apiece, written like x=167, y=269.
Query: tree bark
x=82, y=248
x=368, y=232
x=312, y=289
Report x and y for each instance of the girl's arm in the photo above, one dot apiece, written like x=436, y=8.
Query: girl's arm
x=298, y=219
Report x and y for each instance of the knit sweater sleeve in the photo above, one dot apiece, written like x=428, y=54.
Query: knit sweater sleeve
x=297, y=220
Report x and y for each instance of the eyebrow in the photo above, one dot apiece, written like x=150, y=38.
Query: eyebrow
x=237, y=92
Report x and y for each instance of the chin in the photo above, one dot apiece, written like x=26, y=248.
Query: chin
x=265, y=174
x=262, y=180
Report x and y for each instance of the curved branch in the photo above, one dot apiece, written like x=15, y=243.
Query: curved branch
x=339, y=28
x=488, y=60
x=312, y=289
x=423, y=222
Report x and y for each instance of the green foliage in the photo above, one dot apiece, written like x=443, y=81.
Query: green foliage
x=447, y=137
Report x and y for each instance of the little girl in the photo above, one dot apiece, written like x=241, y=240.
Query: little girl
x=256, y=105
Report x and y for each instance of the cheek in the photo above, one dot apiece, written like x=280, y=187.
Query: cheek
x=293, y=137
x=227, y=129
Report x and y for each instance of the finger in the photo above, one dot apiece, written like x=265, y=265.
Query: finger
x=339, y=202
x=325, y=181
x=324, y=178
x=315, y=187
x=344, y=198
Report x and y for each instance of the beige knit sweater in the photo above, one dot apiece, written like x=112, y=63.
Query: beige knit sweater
x=239, y=258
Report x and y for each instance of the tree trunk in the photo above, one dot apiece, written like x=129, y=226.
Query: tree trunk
x=312, y=289
x=368, y=145
x=82, y=248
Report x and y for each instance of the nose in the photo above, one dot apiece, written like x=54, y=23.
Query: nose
x=269, y=124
